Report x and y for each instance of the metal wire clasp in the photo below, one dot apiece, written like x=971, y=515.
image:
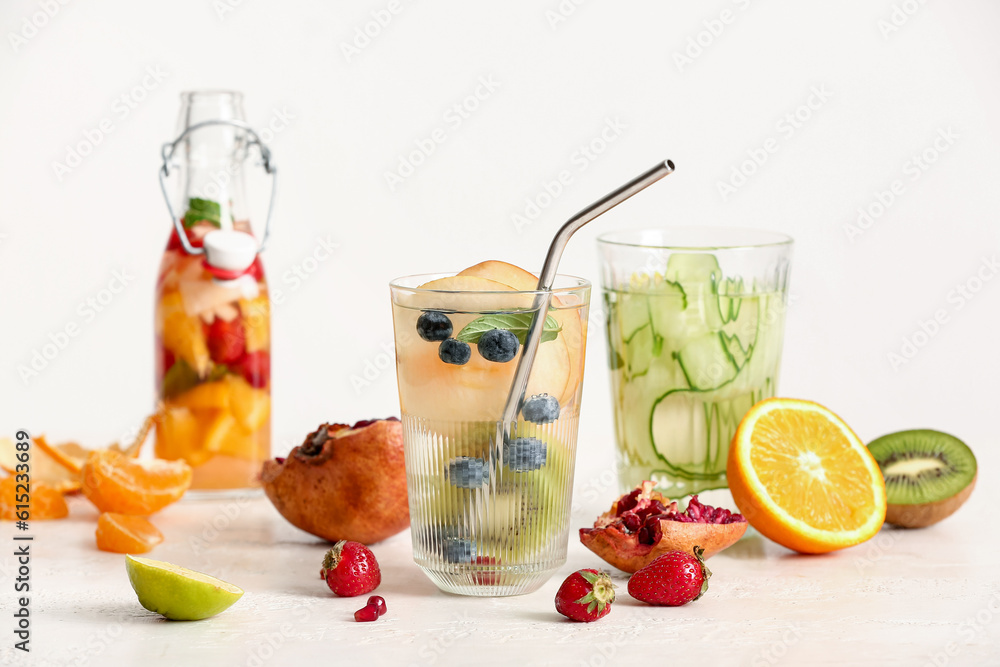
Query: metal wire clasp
x=167, y=152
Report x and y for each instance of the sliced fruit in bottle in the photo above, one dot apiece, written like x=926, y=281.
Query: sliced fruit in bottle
x=184, y=335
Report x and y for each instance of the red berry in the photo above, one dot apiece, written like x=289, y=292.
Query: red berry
x=671, y=580
x=226, y=340
x=256, y=270
x=255, y=367
x=585, y=596
x=378, y=602
x=351, y=569
x=367, y=613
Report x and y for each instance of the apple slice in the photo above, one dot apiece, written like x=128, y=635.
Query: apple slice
x=572, y=334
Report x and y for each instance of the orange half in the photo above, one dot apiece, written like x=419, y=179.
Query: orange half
x=802, y=477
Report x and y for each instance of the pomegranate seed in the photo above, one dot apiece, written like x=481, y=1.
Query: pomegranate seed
x=366, y=613
x=378, y=603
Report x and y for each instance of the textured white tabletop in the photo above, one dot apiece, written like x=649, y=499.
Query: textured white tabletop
x=906, y=597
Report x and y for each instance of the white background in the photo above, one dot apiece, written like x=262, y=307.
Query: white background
x=889, y=93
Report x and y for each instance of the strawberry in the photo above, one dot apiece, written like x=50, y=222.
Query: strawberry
x=226, y=340
x=671, y=580
x=586, y=596
x=350, y=569
x=255, y=367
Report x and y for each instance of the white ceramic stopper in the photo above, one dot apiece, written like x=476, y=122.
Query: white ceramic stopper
x=230, y=250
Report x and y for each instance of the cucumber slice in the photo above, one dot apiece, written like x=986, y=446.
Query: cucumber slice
x=707, y=362
x=640, y=350
x=699, y=276
x=633, y=313
x=730, y=298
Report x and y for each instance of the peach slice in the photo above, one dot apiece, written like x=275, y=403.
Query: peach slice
x=476, y=391
x=573, y=328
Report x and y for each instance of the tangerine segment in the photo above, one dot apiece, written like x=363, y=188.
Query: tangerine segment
x=44, y=502
x=803, y=478
x=116, y=483
x=126, y=534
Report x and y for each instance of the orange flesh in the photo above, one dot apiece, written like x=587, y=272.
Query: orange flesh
x=836, y=491
x=125, y=534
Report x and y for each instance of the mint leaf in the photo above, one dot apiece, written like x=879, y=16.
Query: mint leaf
x=179, y=379
x=516, y=323
x=202, y=209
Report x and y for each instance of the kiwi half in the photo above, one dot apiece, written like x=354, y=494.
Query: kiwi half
x=928, y=475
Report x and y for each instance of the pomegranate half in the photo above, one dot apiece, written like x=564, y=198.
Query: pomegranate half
x=343, y=482
x=643, y=524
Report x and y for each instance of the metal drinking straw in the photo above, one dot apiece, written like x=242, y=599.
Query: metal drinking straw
x=543, y=298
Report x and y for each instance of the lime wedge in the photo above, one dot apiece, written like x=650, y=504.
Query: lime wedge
x=178, y=593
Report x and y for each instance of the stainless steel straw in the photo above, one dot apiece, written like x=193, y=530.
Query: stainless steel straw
x=548, y=275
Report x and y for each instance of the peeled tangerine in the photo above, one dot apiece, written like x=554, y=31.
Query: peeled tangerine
x=643, y=524
x=126, y=534
x=344, y=482
x=117, y=483
x=44, y=502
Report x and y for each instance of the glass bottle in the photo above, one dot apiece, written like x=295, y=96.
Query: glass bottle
x=212, y=326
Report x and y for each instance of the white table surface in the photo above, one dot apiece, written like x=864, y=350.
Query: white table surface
x=906, y=597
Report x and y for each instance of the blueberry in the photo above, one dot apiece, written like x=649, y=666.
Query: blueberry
x=455, y=352
x=524, y=454
x=498, y=345
x=466, y=472
x=541, y=409
x=433, y=326
x=459, y=550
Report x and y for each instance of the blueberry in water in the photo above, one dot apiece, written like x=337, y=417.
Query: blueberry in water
x=524, y=454
x=466, y=472
x=453, y=351
x=459, y=550
x=433, y=326
x=541, y=409
x=498, y=345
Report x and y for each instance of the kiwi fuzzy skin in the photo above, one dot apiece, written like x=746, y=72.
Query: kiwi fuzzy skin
x=927, y=514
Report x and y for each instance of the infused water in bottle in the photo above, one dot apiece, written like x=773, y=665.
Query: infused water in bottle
x=212, y=327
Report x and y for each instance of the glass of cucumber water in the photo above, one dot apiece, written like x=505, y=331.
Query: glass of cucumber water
x=695, y=320
x=489, y=507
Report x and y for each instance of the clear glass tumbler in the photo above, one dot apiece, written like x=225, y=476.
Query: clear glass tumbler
x=695, y=322
x=489, y=514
